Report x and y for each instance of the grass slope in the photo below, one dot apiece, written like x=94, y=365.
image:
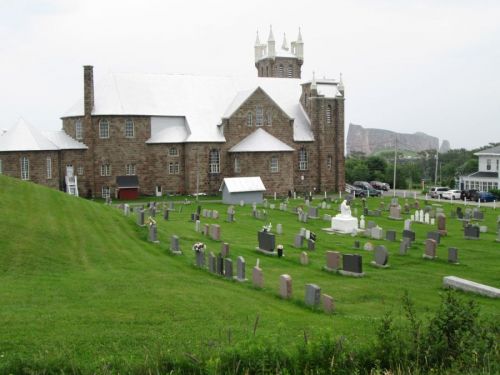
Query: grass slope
x=80, y=285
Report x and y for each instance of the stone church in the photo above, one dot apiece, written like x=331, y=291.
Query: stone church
x=185, y=133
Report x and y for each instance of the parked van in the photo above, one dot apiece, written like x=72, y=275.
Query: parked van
x=437, y=191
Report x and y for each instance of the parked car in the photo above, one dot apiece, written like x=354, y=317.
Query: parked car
x=380, y=185
x=483, y=196
x=452, y=194
x=468, y=194
x=437, y=191
x=367, y=189
x=354, y=191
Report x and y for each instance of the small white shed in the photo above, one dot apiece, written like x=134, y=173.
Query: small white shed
x=248, y=189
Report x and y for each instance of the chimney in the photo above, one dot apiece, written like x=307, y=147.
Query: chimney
x=88, y=89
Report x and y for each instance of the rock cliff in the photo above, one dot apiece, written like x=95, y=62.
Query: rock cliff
x=370, y=141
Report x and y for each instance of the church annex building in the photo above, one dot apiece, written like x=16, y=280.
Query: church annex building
x=185, y=133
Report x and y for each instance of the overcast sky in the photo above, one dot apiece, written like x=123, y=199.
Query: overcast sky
x=408, y=66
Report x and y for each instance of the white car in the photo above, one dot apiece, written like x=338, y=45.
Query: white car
x=451, y=194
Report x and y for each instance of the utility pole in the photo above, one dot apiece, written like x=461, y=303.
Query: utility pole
x=395, y=163
x=436, y=171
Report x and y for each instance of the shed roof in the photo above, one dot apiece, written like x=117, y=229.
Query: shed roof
x=484, y=174
x=202, y=101
x=489, y=151
x=242, y=184
x=25, y=137
x=261, y=141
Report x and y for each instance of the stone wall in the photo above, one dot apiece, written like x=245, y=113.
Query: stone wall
x=269, y=67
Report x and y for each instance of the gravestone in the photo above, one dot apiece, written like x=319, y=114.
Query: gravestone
x=368, y=246
x=371, y=224
x=279, y=229
x=313, y=295
x=311, y=245
x=197, y=226
x=430, y=248
x=240, y=269
x=327, y=217
x=352, y=265
x=483, y=229
x=206, y=229
x=166, y=214
x=152, y=211
x=395, y=212
x=304, y=258
x=409, y=234
x=212, y=260
x=381, y=257
x=286, y=286
x=477, y=215
x=404, y=246
x=362, y=223
x=171, y=206
x=126, y=209
x=215, y=214
x=427, y=218
x=140, y=217
x=174, y=245
x=377, y=233
x=328, y=303
x=266, y=241
x=219, y=266
x=225, y=250
x=313, y=212
x=333, y=260
x=153, y=233
x=471, y=232
x=230, y=217
x=453, y=255
x=357, y=244
x=298, y=241
x=441, y=224
x=460, y=213
x=200, y=258
x=257, y=277
x=215, y=232
x=390, y=235
x=436, y=236
x=228, y=268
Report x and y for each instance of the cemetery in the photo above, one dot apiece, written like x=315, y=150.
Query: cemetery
x=180, y=272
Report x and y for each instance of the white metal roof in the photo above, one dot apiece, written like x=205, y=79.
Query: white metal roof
x=261, y=141
x=201, y=101
x=168, y=130
x=25, y=137
x=242, y=184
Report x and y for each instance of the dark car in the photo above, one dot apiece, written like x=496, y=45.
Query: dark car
x=368, y=190
x=469, y=194
x=483, y=196
x=380, y=185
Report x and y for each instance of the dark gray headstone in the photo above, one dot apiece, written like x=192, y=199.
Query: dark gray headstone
x=381, y=255
x=200, y=258
x=219, y=266
x=153, y=233
x=357, y=244
x=453, y=255
x=313, y=212
x=404, y=246
x=166, y=214
x=266, y=241
x=460, y=213
x=436, y=236
x=313, y=295
x=409, y=234
x=240, y=268
x=390, y=235
x=212, y=263
x=311, y=244
x=352, y=263
x=370, y=225
x=140, y=217
x=225, y=250
x=298, y=241
x=228, y=268
x=174, y=244
x=471, y=232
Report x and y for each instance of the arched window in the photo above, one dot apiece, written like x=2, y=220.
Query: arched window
x=214, y=161
x=269, y=118
x=78, y=130
x=259, y=116
x=281, y=70
x=49, y=168
x=249, y=119
x=328, y=114
x=25, y=168
x=303, y=159
x=103, y=129
x=129, y=129
x=237, y=166
x=290, y=71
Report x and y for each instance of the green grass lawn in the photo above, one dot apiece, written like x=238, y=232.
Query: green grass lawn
x=81, y=286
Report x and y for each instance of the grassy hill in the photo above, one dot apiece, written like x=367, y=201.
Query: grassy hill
x=82, y=289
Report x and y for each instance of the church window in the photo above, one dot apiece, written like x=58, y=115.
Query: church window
x=49, y=168
x=237, y=166
x=173, y=167
x=290, y=71
x=78, y=130
x=105, y=170
x=329, y=162
x=259, y=116
x=269, y=119
x=129, y=129
x=130, y=170
x=249, y=119
x=281, y=70
x=214, y=161
x=172, y=151
x=328, y=114
x=105, y=192
x=79, y=170
x=275, y=164
x=303, y=159
x=25, y=168
x=261, y=71
x=103, y=129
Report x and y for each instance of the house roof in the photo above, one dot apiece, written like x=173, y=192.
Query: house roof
x=483, y=174
x=168, y=130
x=127, y=182
x=260, y=141
x=25, y=137
x=489, y=151
x=201, y=101
x=242, y=184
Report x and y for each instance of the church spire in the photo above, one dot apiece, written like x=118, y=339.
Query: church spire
x=257, y=40
x=284, y=46
x=271, y=35
x=313, y=82
x=271, y=44
x=299, y=38
x=340, y=86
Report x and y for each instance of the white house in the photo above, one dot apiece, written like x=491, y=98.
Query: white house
x=247, y=189
x=487, y=177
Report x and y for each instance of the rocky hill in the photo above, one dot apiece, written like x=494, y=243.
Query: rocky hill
x=369, y=141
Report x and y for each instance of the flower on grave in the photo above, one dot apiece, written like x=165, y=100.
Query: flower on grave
x=279, y=247
x=151, y=221
x=199, y=246
x=267, y=228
